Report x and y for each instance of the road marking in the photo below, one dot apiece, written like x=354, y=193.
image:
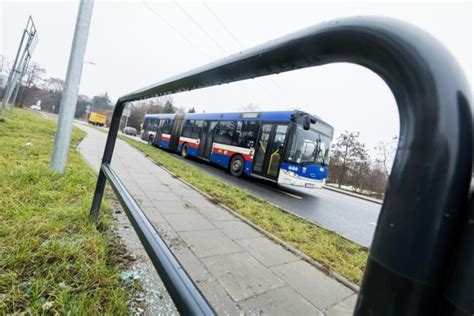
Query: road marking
x=372, y=223
x=279, y=191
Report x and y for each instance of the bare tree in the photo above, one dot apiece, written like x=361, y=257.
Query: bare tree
x=48, y=91
x=169, y=107
x=347, y=150
x=359, y=175
x=251, y=107
x=83, y=101
x=180, y=109
x=102, y=103
x=386, y=153
x=34, y=78
x=137, y=114
x=378, y=181
x=54, y=84
x=34, y=75
x=5, y=67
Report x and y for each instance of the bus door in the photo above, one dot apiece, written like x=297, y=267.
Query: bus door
x=176, y=131
x=206, y=139
x=157, y=139
x=269, y=150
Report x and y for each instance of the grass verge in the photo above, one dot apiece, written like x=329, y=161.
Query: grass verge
x=337, y=253
x=53, y=260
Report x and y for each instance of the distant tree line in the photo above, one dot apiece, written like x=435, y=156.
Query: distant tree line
x=351, y=166
x=37, y=86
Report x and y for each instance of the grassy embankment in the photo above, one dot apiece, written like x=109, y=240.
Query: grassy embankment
x=52, y=258
x=337, y=253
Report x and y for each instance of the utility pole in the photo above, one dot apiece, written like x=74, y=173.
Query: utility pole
x=15, y=94
x=28, y=43
x=71, y=87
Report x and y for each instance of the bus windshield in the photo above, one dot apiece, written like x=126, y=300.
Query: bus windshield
x=309, y=146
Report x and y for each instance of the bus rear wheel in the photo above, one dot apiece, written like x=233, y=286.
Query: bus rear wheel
x=184, y=150
x=237, y=166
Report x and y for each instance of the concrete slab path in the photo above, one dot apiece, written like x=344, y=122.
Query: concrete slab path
x=238, y=269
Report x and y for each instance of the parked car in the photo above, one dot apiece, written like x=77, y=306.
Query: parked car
x=130, y=131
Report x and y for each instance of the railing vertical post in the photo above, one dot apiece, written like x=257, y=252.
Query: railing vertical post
x=459, y=293
x=107, y=158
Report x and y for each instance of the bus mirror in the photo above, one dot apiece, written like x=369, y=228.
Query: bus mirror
x=307, y=123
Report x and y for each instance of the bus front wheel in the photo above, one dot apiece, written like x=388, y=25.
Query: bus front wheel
x=237, y=166
x=184, y=150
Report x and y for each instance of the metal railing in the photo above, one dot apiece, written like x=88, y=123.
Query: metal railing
x=424, y=224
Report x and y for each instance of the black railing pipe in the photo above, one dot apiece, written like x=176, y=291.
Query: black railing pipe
x=186, y=296
x=459, y=296
x=427, y=189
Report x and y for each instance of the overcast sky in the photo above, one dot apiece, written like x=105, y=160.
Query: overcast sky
x=136, y=43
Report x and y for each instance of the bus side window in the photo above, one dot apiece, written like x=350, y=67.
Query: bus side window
x=152, y=125
x=167, y=125
x=187, y=129
x=197, y=129
x=160, y=126
x=237, y=137
x=225, y=132
x=248, y=134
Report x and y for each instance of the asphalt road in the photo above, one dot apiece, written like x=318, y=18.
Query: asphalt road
x=349, y=216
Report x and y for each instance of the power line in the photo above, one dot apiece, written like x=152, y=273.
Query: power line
x=233, y=36
x=205, y=32
x=223, y=25
x=200, y=26
x=184, y=38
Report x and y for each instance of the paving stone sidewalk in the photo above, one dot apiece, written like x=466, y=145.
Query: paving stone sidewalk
x=239, y=270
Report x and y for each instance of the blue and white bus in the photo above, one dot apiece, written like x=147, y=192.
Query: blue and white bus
x=287, y=147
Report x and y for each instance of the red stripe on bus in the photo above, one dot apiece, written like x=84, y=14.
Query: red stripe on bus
x=230, y=153
x=192, y=145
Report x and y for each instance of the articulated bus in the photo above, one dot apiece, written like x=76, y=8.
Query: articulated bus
x=287, y=147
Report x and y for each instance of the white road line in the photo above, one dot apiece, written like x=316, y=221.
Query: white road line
x=372, y=223
x=280, y=191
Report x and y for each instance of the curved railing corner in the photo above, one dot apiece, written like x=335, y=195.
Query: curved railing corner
x=421, y=260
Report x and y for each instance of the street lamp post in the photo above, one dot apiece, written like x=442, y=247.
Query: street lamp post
x=71, y=87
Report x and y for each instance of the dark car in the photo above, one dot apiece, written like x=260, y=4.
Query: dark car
x=130, y=131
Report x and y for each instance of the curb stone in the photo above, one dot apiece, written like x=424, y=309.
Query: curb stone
x=327, y=187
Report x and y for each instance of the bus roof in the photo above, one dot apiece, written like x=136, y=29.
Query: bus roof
x=271, y=116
